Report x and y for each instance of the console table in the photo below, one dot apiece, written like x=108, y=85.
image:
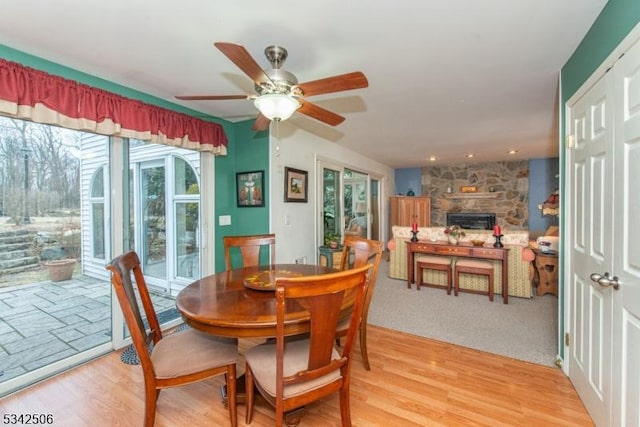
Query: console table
x=466, y=250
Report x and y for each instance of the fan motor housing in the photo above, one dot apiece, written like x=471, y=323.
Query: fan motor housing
x=283, y=81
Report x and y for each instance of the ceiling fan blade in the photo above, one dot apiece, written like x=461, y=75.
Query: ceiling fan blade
x=261, y=123
x=355, y=80
x=243, y=60
x=210, y=97
x=319, y=113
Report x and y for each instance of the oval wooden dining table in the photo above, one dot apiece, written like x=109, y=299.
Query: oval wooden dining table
x=227, y=304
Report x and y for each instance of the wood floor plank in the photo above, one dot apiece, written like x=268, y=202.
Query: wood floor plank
x=413, y=382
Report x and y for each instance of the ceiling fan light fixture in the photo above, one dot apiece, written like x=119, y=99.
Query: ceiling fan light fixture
x=276, y=106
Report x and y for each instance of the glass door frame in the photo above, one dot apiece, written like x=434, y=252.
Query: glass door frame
x=372, y=178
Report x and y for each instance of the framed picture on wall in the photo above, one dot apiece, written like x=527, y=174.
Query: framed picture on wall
x=250, y=189
x=295, y=185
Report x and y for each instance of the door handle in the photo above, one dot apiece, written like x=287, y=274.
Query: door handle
x=606, y=280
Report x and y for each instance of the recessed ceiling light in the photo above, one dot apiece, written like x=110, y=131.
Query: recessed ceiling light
x=432, y=158
x=470, y=155
x=512, y=151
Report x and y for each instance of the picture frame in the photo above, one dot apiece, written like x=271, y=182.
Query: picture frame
x=295, y=185
x=250, y=189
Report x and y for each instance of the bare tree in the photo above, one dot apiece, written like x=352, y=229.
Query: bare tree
x=44, y=161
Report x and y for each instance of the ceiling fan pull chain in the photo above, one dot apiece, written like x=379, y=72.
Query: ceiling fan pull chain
x=276, y=124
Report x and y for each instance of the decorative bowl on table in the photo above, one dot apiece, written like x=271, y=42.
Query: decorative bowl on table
x=266, y=280
x=477, y=242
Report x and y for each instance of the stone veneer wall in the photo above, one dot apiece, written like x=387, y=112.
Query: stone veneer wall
x=502, y=188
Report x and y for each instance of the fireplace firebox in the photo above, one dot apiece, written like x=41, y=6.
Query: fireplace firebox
x=472, y=220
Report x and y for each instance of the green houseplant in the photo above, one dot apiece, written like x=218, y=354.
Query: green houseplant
x=331, y=239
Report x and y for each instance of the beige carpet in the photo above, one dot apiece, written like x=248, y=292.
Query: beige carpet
x=524, y=329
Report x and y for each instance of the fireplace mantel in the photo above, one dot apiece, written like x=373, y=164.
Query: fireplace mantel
x=493, y=195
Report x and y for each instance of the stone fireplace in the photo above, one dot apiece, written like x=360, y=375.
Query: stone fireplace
x=497, y=187
x=472, y=221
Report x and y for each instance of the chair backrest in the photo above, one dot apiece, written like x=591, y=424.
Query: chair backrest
x=325, y=297
x=358, y=251
x=122, y=267
x=249, y=248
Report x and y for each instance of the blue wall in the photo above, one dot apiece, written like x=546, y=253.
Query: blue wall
x=543, y=180
x=409, y=178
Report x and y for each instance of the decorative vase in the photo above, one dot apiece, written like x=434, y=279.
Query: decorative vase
x=61, y=269
x=453, y=240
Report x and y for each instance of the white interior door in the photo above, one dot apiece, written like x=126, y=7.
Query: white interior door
x=589, y=229
x=626, y=252
x=603, y=311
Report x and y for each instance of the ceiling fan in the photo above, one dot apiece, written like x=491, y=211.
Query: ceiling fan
x=278, y=93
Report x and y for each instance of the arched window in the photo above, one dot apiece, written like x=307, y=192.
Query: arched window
x=187, y=209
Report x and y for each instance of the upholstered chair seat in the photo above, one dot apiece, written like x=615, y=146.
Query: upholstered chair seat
x=201, y=350
x=296, y=358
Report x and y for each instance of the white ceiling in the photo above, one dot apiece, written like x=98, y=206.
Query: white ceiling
x=446, y=78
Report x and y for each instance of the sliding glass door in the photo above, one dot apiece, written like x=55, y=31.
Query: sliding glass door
x=349, y=201
x=153, y=222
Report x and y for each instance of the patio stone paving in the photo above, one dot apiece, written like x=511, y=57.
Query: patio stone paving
x=45, y=322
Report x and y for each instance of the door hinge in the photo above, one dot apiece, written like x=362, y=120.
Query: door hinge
x=570, y=140
x=566, y=339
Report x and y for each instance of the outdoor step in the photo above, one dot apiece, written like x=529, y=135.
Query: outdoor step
x=20, y=269
x=16, y=247
x=22, y=238
x=18, y=262
x=14, y=254
x=9, y=233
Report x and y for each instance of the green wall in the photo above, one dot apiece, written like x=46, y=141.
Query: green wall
x=615, y=21
x=249, y=152
x=246, y=151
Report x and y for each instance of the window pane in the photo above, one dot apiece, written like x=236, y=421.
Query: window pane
x=97, y=213
x=97, y=188
x=186, y=182
x=154, y=221
x=188, y=252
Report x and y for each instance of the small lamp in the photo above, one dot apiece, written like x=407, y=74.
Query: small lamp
x=276, y=106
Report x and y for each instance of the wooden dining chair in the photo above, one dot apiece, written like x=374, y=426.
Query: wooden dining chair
x=250, y=248
x=356, y=252
x=292, y=373
x=174, y=359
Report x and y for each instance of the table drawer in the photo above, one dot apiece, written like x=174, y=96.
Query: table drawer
x=452, y=250
x=488, y=253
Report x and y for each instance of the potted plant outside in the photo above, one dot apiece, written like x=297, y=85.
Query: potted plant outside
x=65, y=254
x=60, y=269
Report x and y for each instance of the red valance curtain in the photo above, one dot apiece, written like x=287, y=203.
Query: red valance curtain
x=44, y=98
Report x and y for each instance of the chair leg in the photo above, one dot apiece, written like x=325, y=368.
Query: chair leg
x=345, y=404
x=363, y=343
x=248, y=381
x=150, y=398
x=231, y=394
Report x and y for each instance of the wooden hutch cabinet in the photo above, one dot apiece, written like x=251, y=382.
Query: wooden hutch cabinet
x=406, y=210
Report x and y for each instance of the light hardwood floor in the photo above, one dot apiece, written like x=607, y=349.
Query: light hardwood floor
x=413, y=382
